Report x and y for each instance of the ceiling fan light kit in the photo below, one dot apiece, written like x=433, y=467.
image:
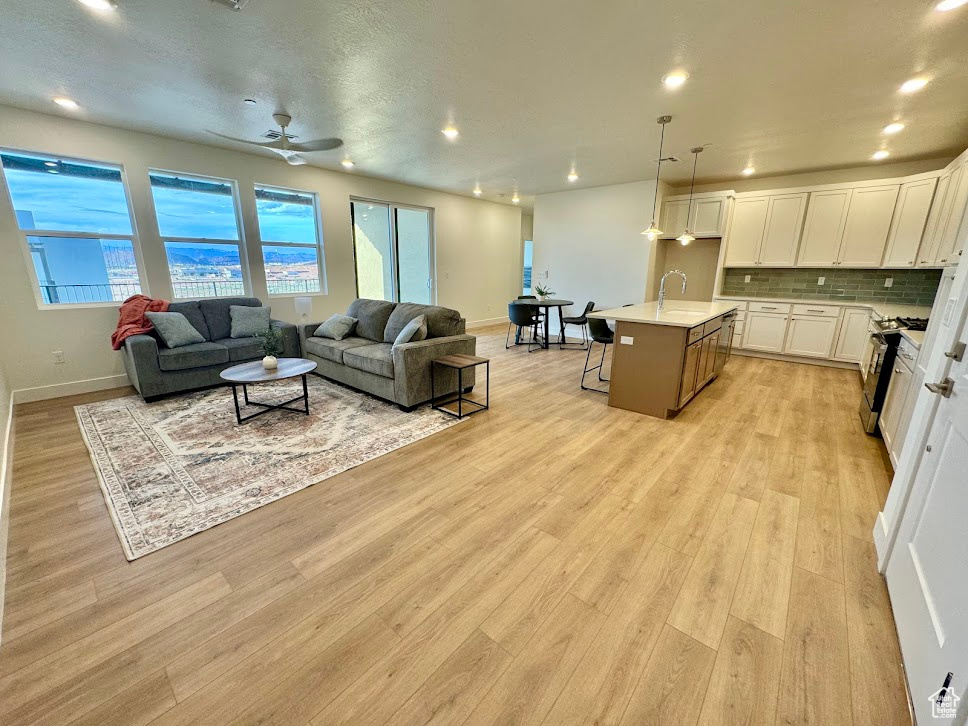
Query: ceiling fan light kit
x=233, y=4
x=282, y=142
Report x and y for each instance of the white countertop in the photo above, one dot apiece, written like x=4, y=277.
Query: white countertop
x=884, y=309
x=678, y=313
x=915, y=337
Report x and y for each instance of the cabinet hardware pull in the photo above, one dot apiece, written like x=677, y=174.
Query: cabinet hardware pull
x=897, y=370
x=809, y=310
x=944, y=388
x=957, y=354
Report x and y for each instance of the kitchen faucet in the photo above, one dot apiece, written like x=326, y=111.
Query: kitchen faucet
x=662, y=286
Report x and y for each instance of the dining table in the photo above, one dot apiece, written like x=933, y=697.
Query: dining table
x=547, y=304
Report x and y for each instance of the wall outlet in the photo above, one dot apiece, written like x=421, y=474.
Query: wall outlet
x=58, y=356
x=627, y=340
x=821, y=280
x=748, y=278
x=889, y=282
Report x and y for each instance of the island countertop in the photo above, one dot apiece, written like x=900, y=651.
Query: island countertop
x=678, y=313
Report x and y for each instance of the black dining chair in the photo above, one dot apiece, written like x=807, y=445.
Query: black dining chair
x=521, y=316
x=600, y=333
x=581, y=321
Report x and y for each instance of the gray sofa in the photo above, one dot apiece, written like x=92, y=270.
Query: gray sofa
x=157, y=370
x=368, y=360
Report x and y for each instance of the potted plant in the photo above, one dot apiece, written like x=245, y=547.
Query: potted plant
x=273, y=347
x=543, y=292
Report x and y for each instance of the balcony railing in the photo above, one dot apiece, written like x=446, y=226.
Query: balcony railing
x=209, y=288
x=292, y=287
x=72, y=294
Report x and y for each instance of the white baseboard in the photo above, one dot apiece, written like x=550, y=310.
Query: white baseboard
x=56, y=390
x=484, y=323
x=880, y=541
x=6, y=481
x=798, y=359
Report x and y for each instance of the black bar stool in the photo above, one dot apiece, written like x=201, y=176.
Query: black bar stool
x=600, y=333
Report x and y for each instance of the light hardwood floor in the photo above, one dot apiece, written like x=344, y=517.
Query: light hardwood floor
x=552, y=561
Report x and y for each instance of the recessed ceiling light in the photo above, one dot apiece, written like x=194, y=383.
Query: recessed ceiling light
x=102, y=6
x=50, y=163
x=573, y=176
x=515, y=199
x=897, y=125
x=674, y=79
x=249, y=102
x=450, y=132
x=53, y=171
x=68, y=103
x=880, y=154
x=749, y=171
x=347, y=164
x=914, y=85
x=946, y=5
x=477, y=191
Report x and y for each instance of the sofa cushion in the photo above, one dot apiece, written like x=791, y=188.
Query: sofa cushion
x=243, y=348
x=376, y=359
x=249, y=322
x=441, y=322
x=193, y=311
x=195, y=355
x=413, y=332
x=336, y=327
x=217, y=316
x=372, y=316
x=333, y=349
x=174, y=329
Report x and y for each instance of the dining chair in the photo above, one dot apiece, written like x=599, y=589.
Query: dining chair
x=521, y=316
x=580, y=320
x=600, y=333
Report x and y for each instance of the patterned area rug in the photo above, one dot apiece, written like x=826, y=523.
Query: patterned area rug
x=177, y=467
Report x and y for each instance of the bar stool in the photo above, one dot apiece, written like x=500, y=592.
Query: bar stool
x=600, y=333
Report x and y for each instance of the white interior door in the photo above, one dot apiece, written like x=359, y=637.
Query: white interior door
x=927, y=573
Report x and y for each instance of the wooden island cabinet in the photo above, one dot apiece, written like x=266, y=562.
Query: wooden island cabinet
x=663, y=358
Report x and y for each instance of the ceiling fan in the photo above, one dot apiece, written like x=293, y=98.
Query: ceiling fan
x=283, y=146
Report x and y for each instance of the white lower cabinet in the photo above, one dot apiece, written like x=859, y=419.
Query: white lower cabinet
x=764, y=331
x=810, y=336
x=854, y=336
x=893, y=408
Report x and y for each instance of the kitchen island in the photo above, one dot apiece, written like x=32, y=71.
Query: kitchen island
x=663, y=358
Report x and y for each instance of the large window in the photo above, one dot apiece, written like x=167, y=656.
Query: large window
x=393, y=246
x=289, y=230
x=528, y=265
x=77, y=224
x=199, y=223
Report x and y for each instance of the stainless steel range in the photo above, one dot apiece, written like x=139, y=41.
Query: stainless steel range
x=885, y=335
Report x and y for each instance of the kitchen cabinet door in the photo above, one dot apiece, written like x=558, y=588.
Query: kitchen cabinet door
x=854, y=335
x=894, y=403
x=907, y=411
x=709, y=346
x=950, y=244
x=675, y=217
x=690, y=369
x=764, y=332
x=810, y=336
x=868, y=222
x=746, y=231
x=910, y=218
x=781, y=237
x=708, y=216
x=823, y=230
x=931, y=242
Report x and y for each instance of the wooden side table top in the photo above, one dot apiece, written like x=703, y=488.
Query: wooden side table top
x=460, y=361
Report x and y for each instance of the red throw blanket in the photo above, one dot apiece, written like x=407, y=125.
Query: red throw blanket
x=132, y=320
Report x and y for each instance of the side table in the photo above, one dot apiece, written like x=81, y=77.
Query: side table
x=460, y=362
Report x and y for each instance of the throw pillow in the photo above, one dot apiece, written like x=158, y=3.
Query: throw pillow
x=413, y=331
x=175, y=329
x=248, y=322
x=337, y=327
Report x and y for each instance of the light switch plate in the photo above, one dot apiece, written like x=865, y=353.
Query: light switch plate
x=748, y=278
x=889, y=282
x=821, y=280
x=626, y=340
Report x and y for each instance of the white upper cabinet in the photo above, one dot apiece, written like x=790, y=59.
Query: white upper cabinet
x=765, y=230
x=910, y=218
x=950, y=243
x=746, y=231
x=706, y=218
x=674, y=217
x=824, y=229
x=931, y=242
x=868, y=222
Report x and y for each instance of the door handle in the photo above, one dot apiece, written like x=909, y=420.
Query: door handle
x=944, y=388
x=957, y=354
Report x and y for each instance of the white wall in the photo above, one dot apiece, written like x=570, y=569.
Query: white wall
x=6, y=468
x=478, y=245
x=589, y=243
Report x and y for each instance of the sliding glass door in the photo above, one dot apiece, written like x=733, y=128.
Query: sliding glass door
x=394, y=253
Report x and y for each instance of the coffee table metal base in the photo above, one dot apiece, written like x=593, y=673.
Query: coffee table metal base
x=267, y=407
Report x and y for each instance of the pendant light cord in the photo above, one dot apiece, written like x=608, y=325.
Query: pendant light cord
x=658, y=168
x=695, y=161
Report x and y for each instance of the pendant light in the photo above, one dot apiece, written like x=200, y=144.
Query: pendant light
x=685, y=238
x=653, y=232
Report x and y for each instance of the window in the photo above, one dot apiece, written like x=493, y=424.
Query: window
x=528, y=263
x=199, y=222
x=290, y=240
x=394, y=252
x=77, y=224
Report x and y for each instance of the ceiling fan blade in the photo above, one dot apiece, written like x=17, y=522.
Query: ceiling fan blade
x=243, y=141
x=318, y=145
x=290, y=156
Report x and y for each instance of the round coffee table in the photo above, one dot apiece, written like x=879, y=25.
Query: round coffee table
x=245, y=374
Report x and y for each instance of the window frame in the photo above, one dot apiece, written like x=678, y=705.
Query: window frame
x=26, y=234
x=239, y=226
x=319, y=244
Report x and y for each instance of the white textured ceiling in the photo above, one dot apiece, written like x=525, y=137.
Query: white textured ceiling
x=533, y=85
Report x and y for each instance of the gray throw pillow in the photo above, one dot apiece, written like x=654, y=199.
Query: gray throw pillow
x=175, y=329
x=413, y=331
x=337, y=327
x=248, y=322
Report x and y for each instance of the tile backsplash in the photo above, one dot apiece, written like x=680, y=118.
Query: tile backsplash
x=911, y=287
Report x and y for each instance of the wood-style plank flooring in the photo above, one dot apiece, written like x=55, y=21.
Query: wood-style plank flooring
x=552, y=561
